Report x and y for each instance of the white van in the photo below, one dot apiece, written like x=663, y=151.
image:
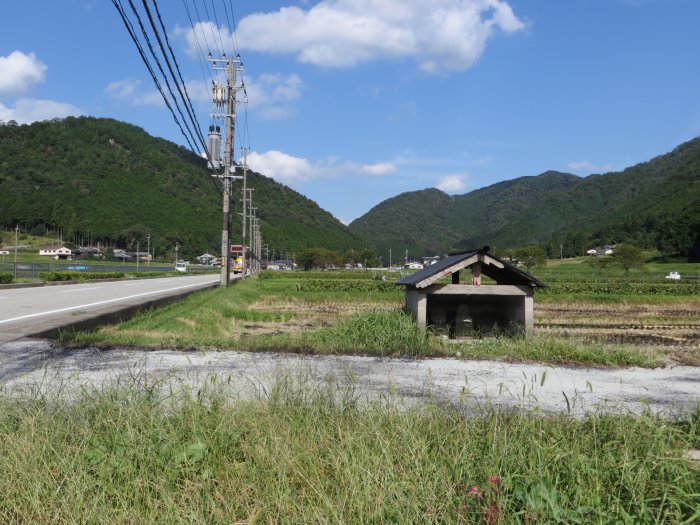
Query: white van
x=181, y=266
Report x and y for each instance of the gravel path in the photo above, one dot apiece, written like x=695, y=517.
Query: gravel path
x=31, y=365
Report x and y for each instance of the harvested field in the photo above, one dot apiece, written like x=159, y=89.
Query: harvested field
x=675, y=328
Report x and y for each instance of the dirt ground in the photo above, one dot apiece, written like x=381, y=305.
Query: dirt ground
x=673, y=329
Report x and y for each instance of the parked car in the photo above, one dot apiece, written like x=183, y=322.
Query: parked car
x=181, y=266
x=674, y=276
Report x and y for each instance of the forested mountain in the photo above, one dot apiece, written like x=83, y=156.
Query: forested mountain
x=653, y=204
x=108, y=181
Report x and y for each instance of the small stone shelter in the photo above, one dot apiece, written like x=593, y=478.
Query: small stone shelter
x=467, y=309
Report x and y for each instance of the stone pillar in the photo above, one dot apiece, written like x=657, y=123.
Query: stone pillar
x=524, y=314
x=529, y=305
x=417, y=304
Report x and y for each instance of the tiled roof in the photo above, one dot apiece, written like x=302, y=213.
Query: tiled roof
x=491, y=266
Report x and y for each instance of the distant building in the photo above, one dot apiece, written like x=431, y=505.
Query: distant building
x=57, y=252
x=206, y=258
x=427, y=261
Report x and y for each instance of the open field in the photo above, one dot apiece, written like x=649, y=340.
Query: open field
x=353, y=313
x=299, y=454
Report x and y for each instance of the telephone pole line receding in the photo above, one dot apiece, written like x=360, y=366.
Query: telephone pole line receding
x=224, y=97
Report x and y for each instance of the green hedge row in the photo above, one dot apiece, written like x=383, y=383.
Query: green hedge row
x=347, y=285
x=622, y=288
x=79, y=276
x=5, y=277
x=323, y=275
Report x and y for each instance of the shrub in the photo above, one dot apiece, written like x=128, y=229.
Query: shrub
x=5, y=277
x=78, y=276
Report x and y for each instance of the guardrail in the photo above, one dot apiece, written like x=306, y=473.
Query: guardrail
x=31, y=270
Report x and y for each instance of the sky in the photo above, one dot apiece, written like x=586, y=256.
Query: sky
x=351, y=102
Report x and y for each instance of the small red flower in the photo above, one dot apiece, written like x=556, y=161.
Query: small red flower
x=474, y=491
x=495, y=479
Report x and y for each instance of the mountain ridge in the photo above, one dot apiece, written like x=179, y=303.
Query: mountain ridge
x=552, y=208
x=109, y=181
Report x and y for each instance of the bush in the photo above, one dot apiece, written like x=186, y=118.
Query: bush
x=621, y=288
x=5, y=277
x=78, y=276
x=347, y=285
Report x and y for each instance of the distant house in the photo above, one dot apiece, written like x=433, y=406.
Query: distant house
x=57, y=252
x=122, y=254
x=283, y=264
x=88, y=251
x=465, y=310
x=206, y=258
x=427, y=261
x=414, y=266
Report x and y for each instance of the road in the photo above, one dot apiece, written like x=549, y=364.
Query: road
x=43, y=310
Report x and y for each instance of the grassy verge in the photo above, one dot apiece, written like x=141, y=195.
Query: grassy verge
x=318, y=456
x=277, y=315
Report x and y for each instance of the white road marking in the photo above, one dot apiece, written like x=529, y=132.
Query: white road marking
x=99, y=303
x=81, y=289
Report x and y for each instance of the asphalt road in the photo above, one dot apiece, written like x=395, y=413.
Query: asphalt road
x=26, y=312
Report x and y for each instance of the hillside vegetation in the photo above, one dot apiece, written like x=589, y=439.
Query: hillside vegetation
x=104, y=180
x=655, y=204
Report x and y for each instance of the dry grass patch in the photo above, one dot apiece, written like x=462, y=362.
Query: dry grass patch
x=671, y=330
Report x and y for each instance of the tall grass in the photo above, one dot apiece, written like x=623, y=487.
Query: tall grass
x=377, y=332
x=300, y=455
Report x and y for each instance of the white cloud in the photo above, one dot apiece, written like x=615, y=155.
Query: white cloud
x=284, y=168
x=588, y=167
x=28, y=110
x=383, y=168
x=206, y=35
x=442, y=35
x=272, y=95
x=452, y=183
x=292, y=170
x=123, y=89
x=18, y=72
x=130, y=90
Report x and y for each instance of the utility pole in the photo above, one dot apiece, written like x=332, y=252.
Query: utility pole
x=258, y=240
x=224, y=97
x=251, y=225
x=249, y=216
x=16, y=241
x=149, y=249
x=245, y=187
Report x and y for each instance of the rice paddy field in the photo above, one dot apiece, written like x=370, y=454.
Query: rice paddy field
x=307, y=455
x=611, y=322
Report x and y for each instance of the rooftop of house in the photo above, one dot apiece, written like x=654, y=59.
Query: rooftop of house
x=491, y=266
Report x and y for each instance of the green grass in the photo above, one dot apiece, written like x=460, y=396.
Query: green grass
x=145, y=454
x=211, y=319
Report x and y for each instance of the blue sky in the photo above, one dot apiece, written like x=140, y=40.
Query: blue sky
x=351, y=102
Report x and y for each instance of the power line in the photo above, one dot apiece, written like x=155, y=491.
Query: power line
x=177, y=66
x=160, y=68
x=132, y=33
